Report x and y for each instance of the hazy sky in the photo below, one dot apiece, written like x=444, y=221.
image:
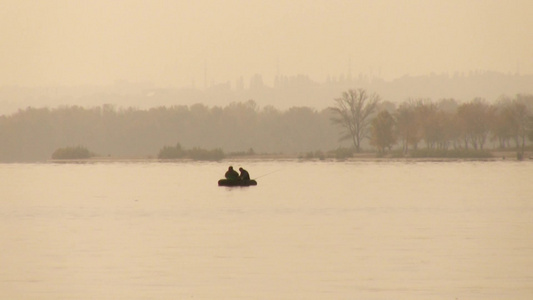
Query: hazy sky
x=172, y=43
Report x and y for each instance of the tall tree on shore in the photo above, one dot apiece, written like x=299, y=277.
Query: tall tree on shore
x=382, y=131
x=520, y=119
x=474, y=120
x=352, y=112
x=408, y=125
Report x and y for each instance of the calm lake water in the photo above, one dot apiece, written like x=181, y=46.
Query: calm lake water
x=308, y=230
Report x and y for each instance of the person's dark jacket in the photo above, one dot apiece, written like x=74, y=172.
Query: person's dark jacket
x=232, y=174
x=244, y=174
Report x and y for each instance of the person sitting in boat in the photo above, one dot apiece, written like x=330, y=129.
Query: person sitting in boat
x=244, y=174
x=232, y=174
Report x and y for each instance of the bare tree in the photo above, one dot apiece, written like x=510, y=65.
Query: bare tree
x=382, y=131
x=352, y=112
x=474, y=120
x=408, y=125
x=519, y=118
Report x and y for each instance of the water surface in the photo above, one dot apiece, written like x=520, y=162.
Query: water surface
x=308, y=230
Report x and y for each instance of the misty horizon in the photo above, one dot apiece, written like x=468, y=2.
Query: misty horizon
x=184, y=44
x=277, y=80
x=285, y=92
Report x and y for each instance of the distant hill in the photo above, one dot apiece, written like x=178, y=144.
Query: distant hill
x=286, y=92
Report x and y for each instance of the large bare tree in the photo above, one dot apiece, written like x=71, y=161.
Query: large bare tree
x=382, y=131
x=352, y=112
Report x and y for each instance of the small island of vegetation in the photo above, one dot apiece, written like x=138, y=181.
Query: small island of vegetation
x=78, y=152
x=196, y=153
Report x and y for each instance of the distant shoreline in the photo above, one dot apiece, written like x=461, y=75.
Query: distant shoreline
x=510, y=155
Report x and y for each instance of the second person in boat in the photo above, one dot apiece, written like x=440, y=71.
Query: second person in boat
x=244, y=174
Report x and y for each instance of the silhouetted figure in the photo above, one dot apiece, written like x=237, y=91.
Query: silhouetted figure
x=244, y=174
x=232, y=174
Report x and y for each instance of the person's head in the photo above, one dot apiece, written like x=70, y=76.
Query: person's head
x=240, y=169
x=230, y=168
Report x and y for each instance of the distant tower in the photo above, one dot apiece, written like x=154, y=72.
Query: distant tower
x=205, y=74
x=350, y=69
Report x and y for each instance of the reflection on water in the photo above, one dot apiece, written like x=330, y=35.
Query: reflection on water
x=328, y=230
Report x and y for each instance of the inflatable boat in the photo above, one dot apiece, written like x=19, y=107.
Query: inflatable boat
x=229, y=182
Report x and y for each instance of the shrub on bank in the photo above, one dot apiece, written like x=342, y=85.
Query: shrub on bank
x=250, y=152
x=343, y=153
x=203, y=154
x=313, y=155
x=457, y=153
x=169, y=152
x=78, y=152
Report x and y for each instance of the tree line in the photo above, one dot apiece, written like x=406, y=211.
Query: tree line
x=441, y=125
x=33, y=134
x=357, y=119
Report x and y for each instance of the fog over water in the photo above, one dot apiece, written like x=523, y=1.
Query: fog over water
x=297, y=53
x=308, y=230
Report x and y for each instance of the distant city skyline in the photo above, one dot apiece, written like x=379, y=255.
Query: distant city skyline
x=289, y=91
x=195, y=43
x=243, y=82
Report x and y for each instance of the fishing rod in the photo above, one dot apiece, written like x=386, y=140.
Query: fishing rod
x=267, y=174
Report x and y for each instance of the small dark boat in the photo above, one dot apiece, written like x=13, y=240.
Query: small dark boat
x=229, y=182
